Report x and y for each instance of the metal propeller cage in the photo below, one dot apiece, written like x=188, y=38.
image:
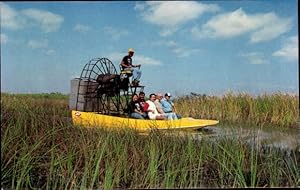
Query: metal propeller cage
x=101, y=89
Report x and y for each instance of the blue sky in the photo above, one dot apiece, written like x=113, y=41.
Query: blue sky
x=207, y=47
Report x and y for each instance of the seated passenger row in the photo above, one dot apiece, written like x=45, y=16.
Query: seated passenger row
x=156, y=107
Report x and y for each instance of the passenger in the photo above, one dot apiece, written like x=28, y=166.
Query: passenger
x=143, y=103
x=160, y=110
x=152, y=111
x=135, y=109
x=126, y=64
x=168, y=106
x=142, y=100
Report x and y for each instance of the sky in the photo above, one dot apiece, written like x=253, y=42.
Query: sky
x=205, y=47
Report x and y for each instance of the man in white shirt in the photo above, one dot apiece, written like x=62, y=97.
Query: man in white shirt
x=152, y=111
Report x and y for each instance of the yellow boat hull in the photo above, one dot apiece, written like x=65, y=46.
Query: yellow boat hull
x=90, y=119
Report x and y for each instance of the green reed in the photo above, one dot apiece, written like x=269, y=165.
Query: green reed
x=276, y=109
x=40, y=148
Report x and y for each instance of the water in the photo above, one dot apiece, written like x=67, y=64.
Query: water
x=286, y=139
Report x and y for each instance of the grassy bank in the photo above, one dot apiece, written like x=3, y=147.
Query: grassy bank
x=40, y=148
x=275, y=109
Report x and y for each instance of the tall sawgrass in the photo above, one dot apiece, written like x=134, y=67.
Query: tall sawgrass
x=40, y=148
x=276, y=109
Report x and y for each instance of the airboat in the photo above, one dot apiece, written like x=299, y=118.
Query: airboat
x=101, y=98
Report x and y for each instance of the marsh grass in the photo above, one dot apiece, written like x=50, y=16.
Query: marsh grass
x=276, y=109
x=40, y=148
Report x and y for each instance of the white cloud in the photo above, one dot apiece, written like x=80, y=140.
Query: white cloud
x=272, y=28
x=115, y=57
x=179, y=50
x=34, y=44
x=14, y=20
x=289, y=50
x=143, y=60
x=3, y=38
x=49, y=22
x=50, y=52
x=255, y=58
x=42, y=45
x=139, y=6
x=137, y=59
x=10, y=18
x=170, y=15
x=115, y=33
x=81, y=28
x=262, y=27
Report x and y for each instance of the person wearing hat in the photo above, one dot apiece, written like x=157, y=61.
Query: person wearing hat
x=168, y=106
x=126, y=64
x=157, y=102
